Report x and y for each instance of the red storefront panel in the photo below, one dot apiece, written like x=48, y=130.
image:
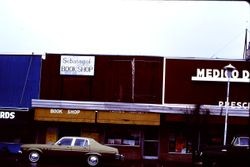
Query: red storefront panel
x=116, y=79
x=180, y=88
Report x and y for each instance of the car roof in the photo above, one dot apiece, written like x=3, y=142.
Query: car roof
x=77, y=137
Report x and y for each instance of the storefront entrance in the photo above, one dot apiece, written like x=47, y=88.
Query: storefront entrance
x=151, y=143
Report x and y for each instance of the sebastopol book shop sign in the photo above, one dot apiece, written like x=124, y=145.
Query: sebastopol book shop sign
x=77, y=65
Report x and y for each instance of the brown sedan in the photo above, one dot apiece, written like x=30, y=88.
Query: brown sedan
x=88, y=149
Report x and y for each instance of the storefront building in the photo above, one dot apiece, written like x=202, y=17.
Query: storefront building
x=19, y=83
x=148, y=107
x=199, y=87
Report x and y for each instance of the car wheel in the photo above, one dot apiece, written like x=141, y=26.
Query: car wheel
x=34, y=156
x=93, y=160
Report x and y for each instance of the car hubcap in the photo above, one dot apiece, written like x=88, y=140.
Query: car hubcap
x=93, y=160
x=34, y=156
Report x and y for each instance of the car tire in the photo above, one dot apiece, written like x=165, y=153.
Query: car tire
x=34, y=156
x=93, y=160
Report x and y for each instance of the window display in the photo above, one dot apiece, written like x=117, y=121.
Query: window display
x=179, y=144
x=123, y=137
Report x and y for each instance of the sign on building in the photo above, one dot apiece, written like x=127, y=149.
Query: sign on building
x=77, y=65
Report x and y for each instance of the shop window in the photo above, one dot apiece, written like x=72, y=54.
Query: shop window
x=179, y=144
x=123, y=137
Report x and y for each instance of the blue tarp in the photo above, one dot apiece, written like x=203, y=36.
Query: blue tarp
x=19, y=80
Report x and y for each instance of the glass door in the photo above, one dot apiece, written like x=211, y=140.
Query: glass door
x=151, y=143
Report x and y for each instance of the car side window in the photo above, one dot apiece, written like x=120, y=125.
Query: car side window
x=66, y=142
x=241, y=141
x=81, y=142
x=244, y=141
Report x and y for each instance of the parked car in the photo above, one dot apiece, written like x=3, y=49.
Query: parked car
x=237, y=153
x=86, y=149
x=10, y=151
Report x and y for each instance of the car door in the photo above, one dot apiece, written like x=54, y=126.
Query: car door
x=80, y=147
x=62, y=148
x=239, y=151
x=243, y=150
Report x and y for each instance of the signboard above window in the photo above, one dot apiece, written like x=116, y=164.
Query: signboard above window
x=77, y=65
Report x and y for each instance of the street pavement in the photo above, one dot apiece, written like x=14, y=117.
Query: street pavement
x=70, y=163
x=74, y=164
x=14, y=161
